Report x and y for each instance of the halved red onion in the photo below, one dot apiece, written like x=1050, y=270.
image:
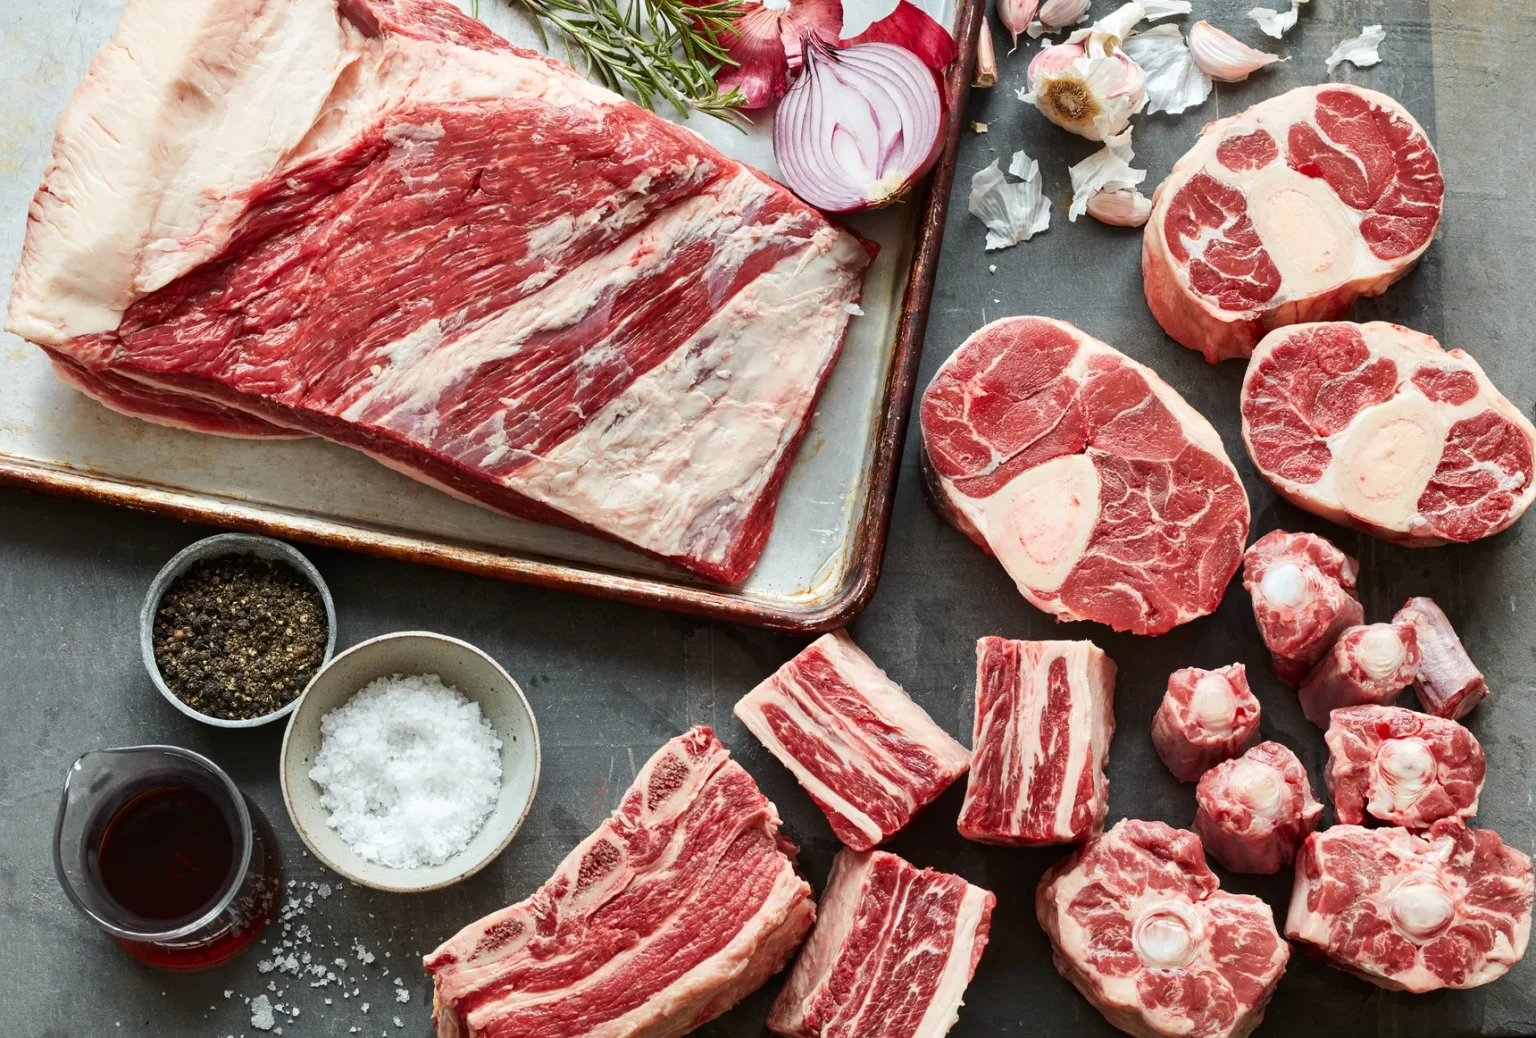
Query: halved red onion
x=859, y=126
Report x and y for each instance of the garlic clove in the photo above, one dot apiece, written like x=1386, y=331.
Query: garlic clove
x=986, y=58
x=1108, y=169
x=1055, y=14
x=1016, y=16
x=1120, y=207
x=1223, y=58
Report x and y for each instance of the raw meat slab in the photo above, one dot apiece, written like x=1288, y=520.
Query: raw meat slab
x=1288, y=212
x=1205, y=717
x=1253, y=812
x=1045, y=714
x=1402, y=767
x=1303, y=592
x=1139, y=925
x=446, y=252
x=864, y=751
x=1376, y=426
x=1104, y=495
x=1448, y=683
x=680, y=904
x=1449, y=909
x=1371, y=663
x=892, y=952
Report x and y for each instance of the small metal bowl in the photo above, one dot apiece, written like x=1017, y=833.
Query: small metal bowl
x=477, y=678
x=212, y=547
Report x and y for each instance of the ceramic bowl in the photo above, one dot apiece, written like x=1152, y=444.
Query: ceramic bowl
x=461, y=666
x=211, y=547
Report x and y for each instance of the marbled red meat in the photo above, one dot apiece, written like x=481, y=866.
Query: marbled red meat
x=677, y=907
x=1402, y=767
x=865, y=752
x=1376, y=426
x=377, y=222
x=1303, y=592
x=892, y=952
x=1449, y=909
x=1104, y=495
x=1044, y=719
x=1371, y=663
x=1139, y=925
x=1288, y=212
x=1253, y=812
x=1446, y=680
x=1206, y=716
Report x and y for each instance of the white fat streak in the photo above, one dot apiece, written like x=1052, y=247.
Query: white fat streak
x=416, y=370
x=944, y=1007
x=835, y=916
x=191, y=104
x=676, y=461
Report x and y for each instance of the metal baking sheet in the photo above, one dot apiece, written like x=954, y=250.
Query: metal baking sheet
x=820, y=564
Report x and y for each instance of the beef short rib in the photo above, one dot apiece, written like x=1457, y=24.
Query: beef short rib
x=1253, y=812
x=1205, y=717
x=892, y=952
x=1044, y=718
x=864, y=751
x=1104, y=495
x=1448, y=909
x=1303, y=592
x=1377, y=427
x=1402, y=767
x=1288, y=212
x=1138, y=923
x=679, y=905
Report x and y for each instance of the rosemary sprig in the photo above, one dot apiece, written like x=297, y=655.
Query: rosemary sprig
x=654, y=50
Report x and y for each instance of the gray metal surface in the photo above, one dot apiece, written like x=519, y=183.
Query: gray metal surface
x=611, y=683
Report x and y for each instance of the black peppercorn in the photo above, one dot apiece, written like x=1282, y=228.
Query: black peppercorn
x=237, y=636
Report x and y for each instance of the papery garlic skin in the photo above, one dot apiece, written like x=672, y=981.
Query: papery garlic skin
x=1223, y=58
x=1057, y=14
x=986, y=58
x=1122, y=207
x=1016, y=16
x=1087, y=85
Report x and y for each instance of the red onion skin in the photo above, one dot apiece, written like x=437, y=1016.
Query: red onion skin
x=767, y=42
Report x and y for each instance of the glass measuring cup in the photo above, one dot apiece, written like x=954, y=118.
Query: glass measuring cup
x=103, y=787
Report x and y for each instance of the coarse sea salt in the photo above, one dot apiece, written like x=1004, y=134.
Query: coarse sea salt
x=409, y=771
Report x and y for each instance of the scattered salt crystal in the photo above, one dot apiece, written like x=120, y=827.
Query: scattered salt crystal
x=399, y=1022
x=261, y=1013
x=409, y=770
x=402, y=994
x=365, y=1007
x=324, y=890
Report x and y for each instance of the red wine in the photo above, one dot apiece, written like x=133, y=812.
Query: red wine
x=167, y=854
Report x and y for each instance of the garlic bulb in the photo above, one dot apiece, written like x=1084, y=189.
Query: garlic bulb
x=986, y=58
x=1055, y=14
x=1016, y=15
x=1122, y=207
x=1087, y=85
x=1223, y=58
